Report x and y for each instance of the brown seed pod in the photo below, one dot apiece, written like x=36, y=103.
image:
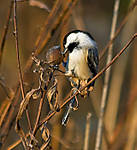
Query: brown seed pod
x=54, y=55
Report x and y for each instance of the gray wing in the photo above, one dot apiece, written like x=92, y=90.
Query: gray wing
x=93, y=60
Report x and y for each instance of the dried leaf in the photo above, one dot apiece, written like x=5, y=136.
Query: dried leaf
x=44, y=146
x=54, y=55
x=39, y=4
x=52, y=96
x=45, y=76
x=23, y=106
x=34, y=140
x=37, y=94
x=45, y=136
x=24, y=103
x=45, y=132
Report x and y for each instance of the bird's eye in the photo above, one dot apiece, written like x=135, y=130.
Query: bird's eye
x=72, y=46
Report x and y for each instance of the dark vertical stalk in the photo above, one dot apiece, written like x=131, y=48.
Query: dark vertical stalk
x=4, y=34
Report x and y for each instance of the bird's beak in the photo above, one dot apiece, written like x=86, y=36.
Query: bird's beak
x=65, y=51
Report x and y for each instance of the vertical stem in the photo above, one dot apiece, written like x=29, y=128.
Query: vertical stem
x=17, y=50
x=39, y=113
x=19, y=64
x=18, y=59
x=87, y=131
x=106, y=80
x=5, y=31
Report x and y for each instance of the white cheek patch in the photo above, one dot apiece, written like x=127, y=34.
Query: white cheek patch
x=71, y=38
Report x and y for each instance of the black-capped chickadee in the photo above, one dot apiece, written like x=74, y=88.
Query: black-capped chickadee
x=82, y=62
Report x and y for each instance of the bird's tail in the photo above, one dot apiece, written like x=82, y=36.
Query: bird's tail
x=69, y=110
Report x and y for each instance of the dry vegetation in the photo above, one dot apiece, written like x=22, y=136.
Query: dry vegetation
x=35, y=92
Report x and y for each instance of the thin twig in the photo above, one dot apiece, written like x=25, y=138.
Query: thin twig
x=47, y=23
x=6, y=89
x=54, y=26
x=39, y=45
x=68, y=12
x=16, y=143
x=6, y=103
x=39, y=113
x=106, y=80
x=93, y=79
x=124, y=21
x=29, y=64
x=11, y=114
x=19, y=64
x=87, y=131
x=16, y=92
x=17, y=49
x=6, y=27
x=18, y=61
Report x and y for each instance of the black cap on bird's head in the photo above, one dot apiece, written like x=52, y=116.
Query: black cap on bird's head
x=76, y=31
x=75, y=38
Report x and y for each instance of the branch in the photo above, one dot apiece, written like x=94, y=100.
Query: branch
x=19, y=68
x=93, y=79
x=12, y=111
x=106, y=80
x=17, y=49
x=69, y=99
x=6, y=27
x=87, y=132
x=124, y=21
x=39, y=113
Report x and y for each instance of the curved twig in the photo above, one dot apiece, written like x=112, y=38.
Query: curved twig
x=93, y=79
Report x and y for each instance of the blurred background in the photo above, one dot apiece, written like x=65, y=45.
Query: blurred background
x=120, y=121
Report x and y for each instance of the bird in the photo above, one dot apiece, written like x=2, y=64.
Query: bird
x=82, y=63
